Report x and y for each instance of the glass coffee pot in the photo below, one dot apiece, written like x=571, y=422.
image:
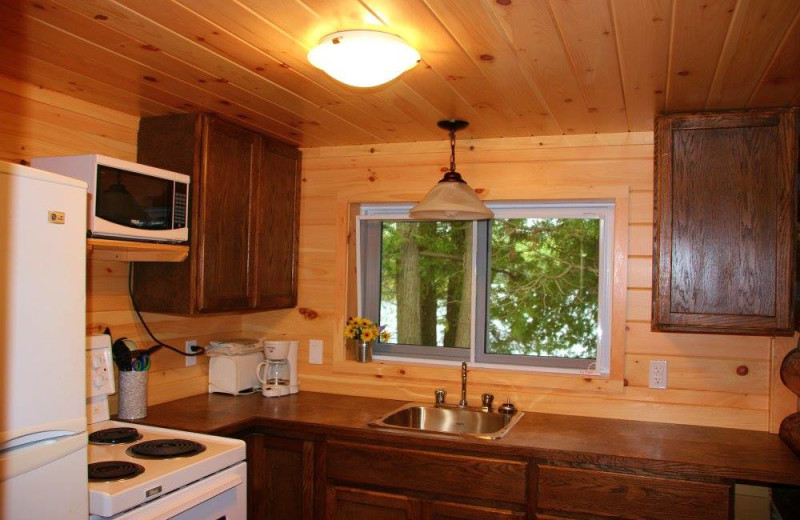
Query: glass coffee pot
x=274, y=374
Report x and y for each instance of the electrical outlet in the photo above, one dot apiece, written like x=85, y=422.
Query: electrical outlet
x=190, y=360
x=315, y=352
x=658, y=374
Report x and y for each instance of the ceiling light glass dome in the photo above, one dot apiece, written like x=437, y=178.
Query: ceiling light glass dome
x=363, y=58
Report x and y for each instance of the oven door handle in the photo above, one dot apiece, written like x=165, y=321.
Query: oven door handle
x=194, y=494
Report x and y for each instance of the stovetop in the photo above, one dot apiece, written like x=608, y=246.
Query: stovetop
x=160, y=476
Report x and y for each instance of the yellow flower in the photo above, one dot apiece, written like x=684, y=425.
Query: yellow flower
x=365, y=323
x=385, y=336
x=350, y=331
x=367, y=335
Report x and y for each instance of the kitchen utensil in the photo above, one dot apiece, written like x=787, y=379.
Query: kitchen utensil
x=121, y=354
x=141, y=362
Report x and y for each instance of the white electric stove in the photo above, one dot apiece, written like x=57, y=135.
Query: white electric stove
x=139, y=472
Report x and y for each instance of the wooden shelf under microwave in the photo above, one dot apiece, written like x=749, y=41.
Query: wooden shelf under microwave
x=127, y=251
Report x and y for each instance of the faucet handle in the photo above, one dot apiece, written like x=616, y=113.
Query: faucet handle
x=507, y=408
x=440, y=394
x=486, y=402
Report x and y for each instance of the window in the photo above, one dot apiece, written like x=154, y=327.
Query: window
x=530, y=287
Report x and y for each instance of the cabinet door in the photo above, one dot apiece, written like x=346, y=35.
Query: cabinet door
x=357, y=504
x=573, y=492
x=280, y=478
x=451, y=511
x=276, y=227
x=724, y=223
x=229, y=162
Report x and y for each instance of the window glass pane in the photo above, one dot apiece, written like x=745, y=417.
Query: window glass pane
x=543, y=290
x=425, y=291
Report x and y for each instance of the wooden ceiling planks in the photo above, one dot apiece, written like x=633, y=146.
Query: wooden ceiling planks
x=476, y=27
x=643, y=31
x=699, y=28
x=513, y=68
x=531, y=29
x=589, y=37
x=781, y=82
x=755, y=34
x=248, y=23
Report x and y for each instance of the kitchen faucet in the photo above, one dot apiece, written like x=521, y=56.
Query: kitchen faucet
x=463, y=402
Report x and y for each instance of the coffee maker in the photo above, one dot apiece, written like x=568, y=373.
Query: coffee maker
x=278, y=374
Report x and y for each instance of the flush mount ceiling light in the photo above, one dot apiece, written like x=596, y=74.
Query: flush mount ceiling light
x=451, y=198
x=363, y=58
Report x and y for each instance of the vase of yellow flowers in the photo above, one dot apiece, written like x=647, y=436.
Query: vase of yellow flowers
x=364, y=331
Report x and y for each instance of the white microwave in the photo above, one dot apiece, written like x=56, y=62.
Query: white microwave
x=128, y=200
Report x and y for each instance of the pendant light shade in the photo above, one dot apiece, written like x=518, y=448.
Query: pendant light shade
x=363, y=58
x=451, y=198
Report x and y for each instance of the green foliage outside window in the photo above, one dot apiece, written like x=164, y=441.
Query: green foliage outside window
x=543, y=295
x=543, y=285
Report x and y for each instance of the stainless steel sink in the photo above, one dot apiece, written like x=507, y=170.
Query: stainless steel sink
x=448, y=419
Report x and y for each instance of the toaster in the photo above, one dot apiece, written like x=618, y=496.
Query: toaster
x=234, y=375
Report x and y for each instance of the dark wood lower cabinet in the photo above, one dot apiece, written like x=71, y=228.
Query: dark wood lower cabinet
x=280, y=478
x=451, y=511
x=567, y=493
x=299, y=476
x=346, y=503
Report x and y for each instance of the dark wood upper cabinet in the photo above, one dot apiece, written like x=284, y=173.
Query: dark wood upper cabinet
x=725, y=211
x=244, y=218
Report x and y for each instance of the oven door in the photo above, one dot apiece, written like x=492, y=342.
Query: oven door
x=222, y=496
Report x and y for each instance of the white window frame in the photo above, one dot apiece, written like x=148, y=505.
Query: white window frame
x=602, y=209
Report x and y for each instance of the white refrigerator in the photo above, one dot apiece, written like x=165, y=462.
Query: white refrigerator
x=42, y=345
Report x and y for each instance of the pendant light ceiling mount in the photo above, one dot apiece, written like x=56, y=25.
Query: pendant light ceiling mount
x=451, y=198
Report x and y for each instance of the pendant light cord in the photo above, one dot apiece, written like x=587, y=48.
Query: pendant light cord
x=452, y=150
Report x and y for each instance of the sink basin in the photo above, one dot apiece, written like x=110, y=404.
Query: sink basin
x=448, y=419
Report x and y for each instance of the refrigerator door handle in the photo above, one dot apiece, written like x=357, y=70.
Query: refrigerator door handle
x=16, y=461
x=30, y=438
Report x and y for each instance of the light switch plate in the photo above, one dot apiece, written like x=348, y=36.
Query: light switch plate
x=315, y=352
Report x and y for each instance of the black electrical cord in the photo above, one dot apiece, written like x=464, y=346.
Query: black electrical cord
x=196, y=350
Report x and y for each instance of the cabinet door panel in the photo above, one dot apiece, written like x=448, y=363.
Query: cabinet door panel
x=276, y=224
x=451, y=511
x=724, y=223
x=280, y=478
x=228, y=170
x=357, y=504
x=588, y=492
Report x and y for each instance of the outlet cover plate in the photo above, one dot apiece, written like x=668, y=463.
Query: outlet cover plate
x=190, y=360
x=658, y=374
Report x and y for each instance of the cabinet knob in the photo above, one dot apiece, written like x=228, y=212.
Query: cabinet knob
x=742, y=370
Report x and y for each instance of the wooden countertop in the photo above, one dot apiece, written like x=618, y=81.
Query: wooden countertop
x=744, y=455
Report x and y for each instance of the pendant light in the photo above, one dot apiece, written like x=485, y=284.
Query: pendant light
x=451, y=198
x=362, y=58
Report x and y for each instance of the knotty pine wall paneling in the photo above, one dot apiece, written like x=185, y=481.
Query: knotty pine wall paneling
x=704, y=387
x=39, y=122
